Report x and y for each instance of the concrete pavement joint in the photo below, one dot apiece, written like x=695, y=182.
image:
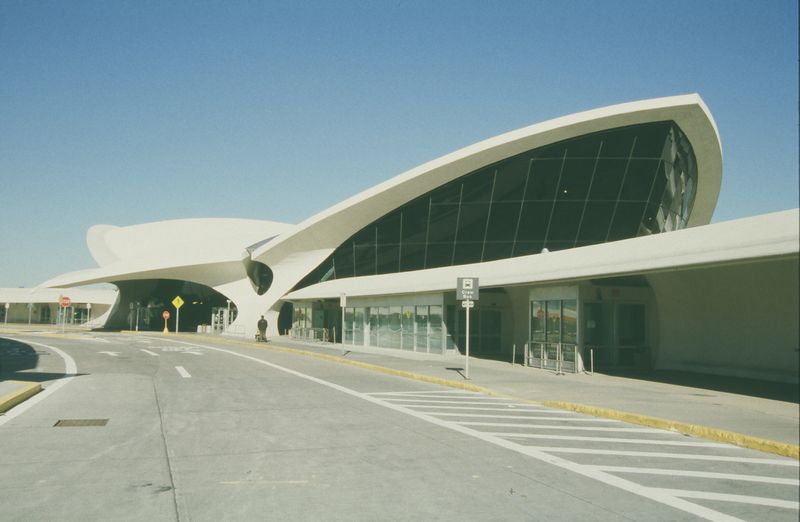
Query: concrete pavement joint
x=25, y=392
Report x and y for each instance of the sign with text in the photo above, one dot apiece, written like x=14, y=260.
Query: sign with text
x=467, y=289
x=177, y=302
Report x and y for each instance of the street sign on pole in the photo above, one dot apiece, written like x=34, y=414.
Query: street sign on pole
x=64, y=301
x=165, y=315
x=177, y=303
x=467, y=291
x=467, y=288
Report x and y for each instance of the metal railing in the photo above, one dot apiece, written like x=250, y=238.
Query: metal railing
x=560, y=357
x=311, y=334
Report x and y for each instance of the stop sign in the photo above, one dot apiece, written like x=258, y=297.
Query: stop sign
x=65, y=301
x=165, y=314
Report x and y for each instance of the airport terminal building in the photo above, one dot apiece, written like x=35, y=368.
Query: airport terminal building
x=589, y=237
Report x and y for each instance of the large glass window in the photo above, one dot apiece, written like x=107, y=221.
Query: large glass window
x=605, y=186
x=435, y=329
x=407, y=328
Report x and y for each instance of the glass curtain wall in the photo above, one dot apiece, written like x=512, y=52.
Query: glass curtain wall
x=408, y=327
x=611, y=185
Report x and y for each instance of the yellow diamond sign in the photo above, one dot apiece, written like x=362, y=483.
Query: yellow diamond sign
x=177, y=302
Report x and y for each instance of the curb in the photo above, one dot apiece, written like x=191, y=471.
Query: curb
x=738, y=439
x=26, y=391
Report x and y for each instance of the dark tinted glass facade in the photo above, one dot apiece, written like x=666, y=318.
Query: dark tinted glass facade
x=606, y=186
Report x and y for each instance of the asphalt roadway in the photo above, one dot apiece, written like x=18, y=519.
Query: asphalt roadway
x=153, y=427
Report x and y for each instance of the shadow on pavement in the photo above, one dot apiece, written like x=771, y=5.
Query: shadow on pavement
x=756, y=388
x=16, y=356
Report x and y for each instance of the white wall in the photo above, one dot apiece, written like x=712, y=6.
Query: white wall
x=732, y=320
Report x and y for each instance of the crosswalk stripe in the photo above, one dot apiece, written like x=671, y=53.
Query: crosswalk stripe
x=479, y=408
x=685, y=456
x=727, y=497
x=521, y=417
x=699, y=474
x=615, y=439
x=450, y=402
x=553, y=427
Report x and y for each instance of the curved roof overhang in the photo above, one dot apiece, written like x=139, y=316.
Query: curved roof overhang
x=764, y=237
x=334, y=225
x=205, y=251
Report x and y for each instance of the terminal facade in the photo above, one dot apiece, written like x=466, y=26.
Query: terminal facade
x=589, y=236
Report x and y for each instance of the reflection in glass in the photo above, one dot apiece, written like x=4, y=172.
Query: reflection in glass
x=605, y=186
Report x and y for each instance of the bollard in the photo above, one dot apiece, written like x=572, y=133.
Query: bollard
x=527, y=355
x=513, y=354
x=591, y=360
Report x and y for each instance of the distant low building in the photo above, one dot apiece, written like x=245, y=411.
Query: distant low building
x=87, y=306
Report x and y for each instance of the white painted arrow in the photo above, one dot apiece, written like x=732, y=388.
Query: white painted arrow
x=112, y=354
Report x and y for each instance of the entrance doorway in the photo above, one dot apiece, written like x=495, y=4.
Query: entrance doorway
x=617, y=335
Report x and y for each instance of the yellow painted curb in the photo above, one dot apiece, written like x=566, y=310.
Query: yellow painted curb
x=746, y=441
x=26, y=391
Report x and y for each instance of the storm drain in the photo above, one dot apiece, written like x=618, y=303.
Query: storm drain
x=79, y=423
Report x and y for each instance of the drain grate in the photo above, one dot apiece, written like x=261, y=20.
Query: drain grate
x=79, y=423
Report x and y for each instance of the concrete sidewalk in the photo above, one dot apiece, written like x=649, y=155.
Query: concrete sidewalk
x=696, y=406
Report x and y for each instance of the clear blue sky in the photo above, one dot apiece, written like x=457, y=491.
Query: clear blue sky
x=127, y=112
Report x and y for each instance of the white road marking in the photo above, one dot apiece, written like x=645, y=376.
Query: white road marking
x=477, y=403
x=533, y=452
x=148, y=352
x=432, y=392
x=727, y=497
x=478, y=408
x=552, y=427
x=699, y=474
x=520, y=417
x=112, y=354
x=685, y=456
x=655, y=442
x=182, y=371
x=70, y=371
x=99, y=339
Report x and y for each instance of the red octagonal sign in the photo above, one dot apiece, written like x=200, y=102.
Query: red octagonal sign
x=165, y=314
x=65, y=301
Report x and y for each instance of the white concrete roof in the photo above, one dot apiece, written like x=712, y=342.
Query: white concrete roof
x=760, y=237
x=203, y=250
x=330, y=228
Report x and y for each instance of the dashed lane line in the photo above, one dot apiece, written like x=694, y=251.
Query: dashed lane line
x=148, y=352
x=183, y=373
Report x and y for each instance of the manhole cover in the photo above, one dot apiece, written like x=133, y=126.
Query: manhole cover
x=79, y=423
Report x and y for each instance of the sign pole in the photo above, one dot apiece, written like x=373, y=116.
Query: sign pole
x=466, y=357
x=177, y=303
